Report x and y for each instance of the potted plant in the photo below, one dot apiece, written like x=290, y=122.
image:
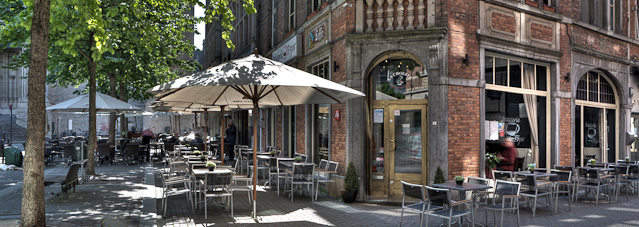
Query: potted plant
x=627, y=159
x=203, y=157
x=459, y=180
x=532, y=3
x=531, y=167
x=592, y=162
x=351, y=184
x=298, y=159
x=211, y=166
x=196, y=153
x=272, y=153
x=439, y=176
x=491, y=162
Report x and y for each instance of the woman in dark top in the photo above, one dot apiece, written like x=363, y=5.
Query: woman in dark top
x=507, y=155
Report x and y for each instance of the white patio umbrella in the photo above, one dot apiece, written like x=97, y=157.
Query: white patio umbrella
x=103, y=103
x=253, y=80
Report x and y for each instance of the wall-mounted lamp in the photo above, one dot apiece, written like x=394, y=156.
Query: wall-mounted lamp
x=335, y=66
x=466, y=60
x=631, y=91
x=567, y=77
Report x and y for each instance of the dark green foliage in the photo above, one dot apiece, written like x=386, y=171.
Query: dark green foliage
x=439, y=176
x=351, y=183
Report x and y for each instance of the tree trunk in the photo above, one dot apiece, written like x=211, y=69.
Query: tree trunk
x=123, y=120
x=33, y=181
x=93, y=137
x=112, y=116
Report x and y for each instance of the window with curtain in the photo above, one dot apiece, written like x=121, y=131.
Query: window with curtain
x=515, y=107
x=321, y=119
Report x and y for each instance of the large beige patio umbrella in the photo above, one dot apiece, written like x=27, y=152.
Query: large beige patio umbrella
x=253, y=80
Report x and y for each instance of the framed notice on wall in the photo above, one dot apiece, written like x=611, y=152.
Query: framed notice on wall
x=378, y=115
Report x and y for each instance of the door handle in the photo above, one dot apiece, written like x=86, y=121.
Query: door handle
x=394, y=145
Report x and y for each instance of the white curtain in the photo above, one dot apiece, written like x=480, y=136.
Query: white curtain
x=531, y=104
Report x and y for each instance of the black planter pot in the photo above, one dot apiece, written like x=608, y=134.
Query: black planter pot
x=459, y=183
x=349, y=197
x=211, y=168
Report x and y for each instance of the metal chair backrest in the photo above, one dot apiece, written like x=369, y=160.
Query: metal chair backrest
x=562, y=175
x=633, y=170
x=332, y=166
x=69, y=151
x=304, y=157
x=477, y=180
x=303, y=171
x=597, y=165
x=415, y=191
x=323, y=164
x=503, y=175
x=620, y=169
x=564, y=168
x=438, y=196
x=530, y=181
x=218, y=181
x=169, y=146
x=278, y=152
x=132, y=149
x=588, y=175
x=503, y=188
x=296, y=154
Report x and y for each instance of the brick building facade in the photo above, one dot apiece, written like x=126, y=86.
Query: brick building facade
x=557, y=76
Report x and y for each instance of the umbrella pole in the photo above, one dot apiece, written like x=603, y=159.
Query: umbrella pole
x=222, y=137
x=206, y=127
x=255, y=109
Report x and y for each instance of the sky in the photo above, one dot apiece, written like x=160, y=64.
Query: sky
x=199, y=12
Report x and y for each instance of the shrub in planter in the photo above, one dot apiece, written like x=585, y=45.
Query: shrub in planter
x=203, y=157
x=351, y=184
x=298, y=159
x=459, y=180
x=439, y=176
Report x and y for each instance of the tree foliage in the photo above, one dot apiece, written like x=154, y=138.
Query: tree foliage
x=439, y=176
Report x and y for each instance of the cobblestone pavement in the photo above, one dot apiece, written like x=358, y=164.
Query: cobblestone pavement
x=124, y=195
x=114, y=198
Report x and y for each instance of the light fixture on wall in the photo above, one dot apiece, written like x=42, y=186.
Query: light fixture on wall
x=631, y=91
x=465, y=60
x=567, y=77
x=335, y=66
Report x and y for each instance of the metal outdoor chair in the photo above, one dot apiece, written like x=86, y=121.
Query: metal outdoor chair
x=133, y=153
x=590, y=179
x=301, y=174
x=216, y=186
x=438, y=197
x=508, y=191
x=169, y=190
x=325, y=176
x=477, y=194
x=415, y=191
x=633, y=175
x=281, y=173
x=503, y=175
x=620, y=179
x=562, y=184
x=532, y=189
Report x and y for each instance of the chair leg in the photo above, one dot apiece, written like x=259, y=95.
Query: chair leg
x=517, y=214
x=534, y=206
x=232, y=205
x=597, y=197
x=401, y=216
x=502, y=218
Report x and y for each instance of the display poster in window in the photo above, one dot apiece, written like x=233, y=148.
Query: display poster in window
x=396, y=112
x=378, y=115
x=406, y=129
x=512, y=126
x=492, y=130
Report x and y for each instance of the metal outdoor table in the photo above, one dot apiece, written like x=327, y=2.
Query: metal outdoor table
x=462, y=193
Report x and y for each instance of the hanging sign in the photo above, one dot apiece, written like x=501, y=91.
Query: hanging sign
x=315, y=36
x=337, y=114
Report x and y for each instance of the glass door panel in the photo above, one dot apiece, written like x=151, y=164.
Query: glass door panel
x=592, y=134
x=408, y=141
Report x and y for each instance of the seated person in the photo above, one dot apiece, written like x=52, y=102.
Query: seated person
x=197, y=139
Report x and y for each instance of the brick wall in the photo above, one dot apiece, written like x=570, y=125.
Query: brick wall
x=542, y=32
x=300, y=127
x=463, y=131
x=504, y=22
x=565, y=132
x=338, y=138
x=598, y=41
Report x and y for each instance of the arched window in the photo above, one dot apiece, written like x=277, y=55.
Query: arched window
x=594, y=87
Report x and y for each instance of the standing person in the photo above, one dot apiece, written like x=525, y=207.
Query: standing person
x=507, y=155
x=230, y=138
x=147, y=135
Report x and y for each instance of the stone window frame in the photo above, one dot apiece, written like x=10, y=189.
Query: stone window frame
x=516, y=90
x=599, y=12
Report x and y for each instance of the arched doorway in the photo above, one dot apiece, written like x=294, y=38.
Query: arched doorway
x=397, y=91
x=596, y=114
